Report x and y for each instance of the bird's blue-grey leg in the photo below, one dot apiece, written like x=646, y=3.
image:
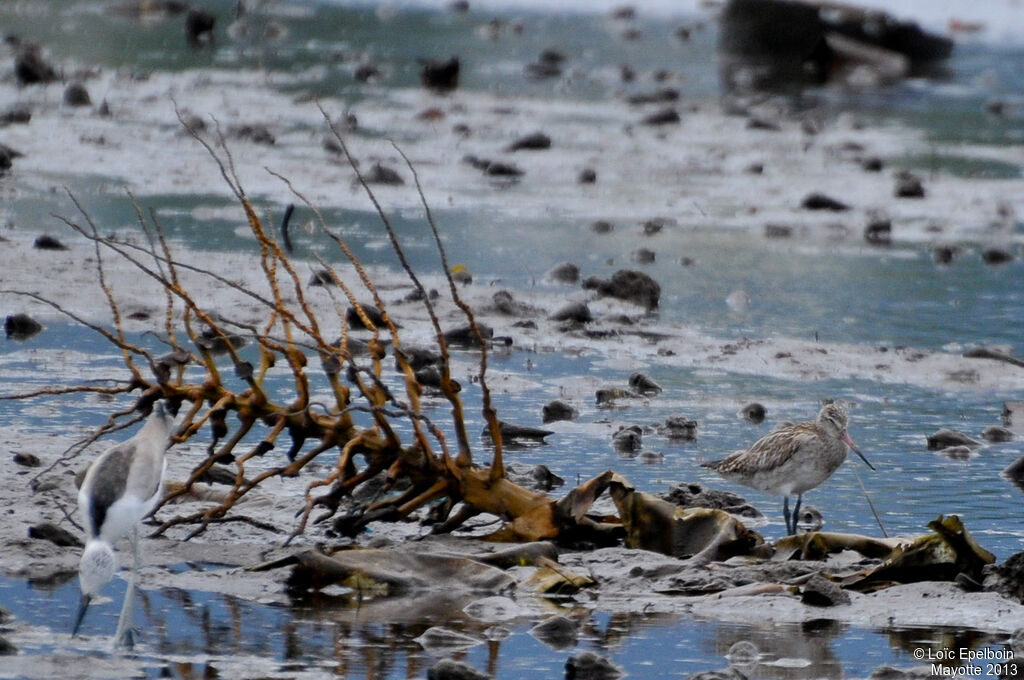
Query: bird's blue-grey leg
x=80, y=616
x=796, y=510
x=785, y=514
x=125, y=635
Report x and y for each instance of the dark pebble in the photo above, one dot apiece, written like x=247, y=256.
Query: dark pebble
x=557, y=632
x=566, y=272
x=46, y=242
x=818, y=591
x=544, y=479
x=778, y=231
x=663, y=95
x=27, y=460
x=754, y=413
x=602, y=227
x=75, y=94
x=663, y=117
x=588, y=665
x=997, y=434
x=440, y=76
x=643, y=256
x=996, y=255
x=21, y=327
x=908, y=185
x=944, y=254
x=577, y=312
x=879, y=232
x=587, y=176
x=628, y=439
x=16, y=114
x=381, y=174
x=643, y=384
x=818, y=201
x=50, y=532
x=872, y=164
x=373, y=314
x=538, y=141
x=450, y=669
x=558, y=410
x=199, y=26
x=30, y=68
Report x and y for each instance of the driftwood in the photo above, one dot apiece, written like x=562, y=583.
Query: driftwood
x=432, y=465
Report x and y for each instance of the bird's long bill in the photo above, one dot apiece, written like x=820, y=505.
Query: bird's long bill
x=82, y=606
x=849, y=442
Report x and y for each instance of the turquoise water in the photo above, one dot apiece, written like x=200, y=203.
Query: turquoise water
x=884, y=297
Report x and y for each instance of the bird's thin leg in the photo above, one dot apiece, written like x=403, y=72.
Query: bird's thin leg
x=785, y=514
x=796, y=510
x=125, y=635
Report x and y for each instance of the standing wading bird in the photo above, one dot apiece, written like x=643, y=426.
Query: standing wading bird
x=121, y=487
x=793, y=459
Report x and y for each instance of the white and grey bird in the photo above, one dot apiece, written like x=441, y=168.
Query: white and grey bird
x=792, y=459
x=121, y=487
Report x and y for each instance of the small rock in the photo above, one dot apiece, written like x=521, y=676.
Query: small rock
x=944, y=254
x=997, y=434
x=520, y=433
x=643, y=384
x=587, y=176
x=16, y=114
x=505, y=304
x=778, y=231
x=21, y=326
x=879, y=232
x=946, y=437
x=49, y=532
x=754, y=413
x=417, y=357
x=818, y=201
x=465, y=337
x=30, y=68
x=996, y=255
x=1007, y=578
x=27, y=460
x=818, y=591
x=588, y=665
x=257, y=134
x=449, y=669
x=75, y=94
x=872, y=164
x=629, y=285
x=46, y=242
x=558, y=410
x=537, y=141
x=381, y=174
x=199, y=26
x=321, y=277
x=663, y=117
x=440, y=638
x=566, y=272
x=651, y=457
x=663, y=95
x=908, y=185
x=608, y=395
x=557, y=632
x=627, y=439
x=691, y=495
x=7, y=647
x=440, y=76
x=430, y=376
x=679, y=428
x=1013, y=413
x=548, y=65
x=544, y=479
x=643, y=256
x=958, y=452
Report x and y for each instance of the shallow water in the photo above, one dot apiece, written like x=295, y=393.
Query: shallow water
x=833, y=289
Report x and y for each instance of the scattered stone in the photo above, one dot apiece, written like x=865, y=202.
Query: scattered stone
x=996, y=255
x=257, y=134
x=944, y=254
x=575, y=312
x=818, y=591
x=16, y=114
x=651, y=457
x=7, y=156
x=449, y=669
x=544, y=479
x=46, y=242
x=558, y=410
x=21, y=326
x=505, y=304
x=758, y=123
x=663, y=117
x=643, y=256
x=879, y=232
x=997, y=434
x=199, y=26
x=75, y=94
x=440, y=76
x=381, y=174
x=7, y=647
x=372, y=314
x=778, y=231
x=753, y=413
x=601, y=227
x=588, y=665
x=430, y=376
x=321, y=277
x=438, y=638
x=556, y=631
x=608, y=395
x=1006, y=578
x=679, y=428
x=643, y=384
x=30, y=68
x=518, y=433
x=958, y=452
x=908, y=185
x=665, y=95
x=587, y=176
x=27, y=460
x=566, y=272
x=693, y=495
x=656, y=225
x=818, y=201
x=366, y=72
x=464, y=336
x=50, y=532
x=946, y=437
x=628, y=439
x=538, y=141
x=872, y=164
x=629, y=285
x=548, y=65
